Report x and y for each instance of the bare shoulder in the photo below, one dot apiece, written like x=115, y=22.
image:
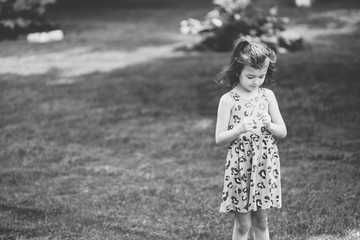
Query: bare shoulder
x=270, y=94
x=226, y=98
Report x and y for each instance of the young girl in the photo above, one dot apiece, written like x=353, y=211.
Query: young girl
x=248, y=120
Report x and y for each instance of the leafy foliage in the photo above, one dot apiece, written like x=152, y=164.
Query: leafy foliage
x=230, y=18
x=23, y=16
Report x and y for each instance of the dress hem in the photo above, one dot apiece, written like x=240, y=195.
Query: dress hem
x=250, y=210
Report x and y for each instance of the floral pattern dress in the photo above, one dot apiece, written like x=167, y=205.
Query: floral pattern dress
x=252, y=169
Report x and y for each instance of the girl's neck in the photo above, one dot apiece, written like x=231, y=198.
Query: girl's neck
x=245, y=93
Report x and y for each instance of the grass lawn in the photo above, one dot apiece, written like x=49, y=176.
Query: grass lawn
x=109, y=134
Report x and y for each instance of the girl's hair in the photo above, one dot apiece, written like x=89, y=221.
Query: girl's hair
x=254, y=54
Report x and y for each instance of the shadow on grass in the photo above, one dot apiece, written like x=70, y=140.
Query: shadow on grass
x=25, y=216
x=23, y=213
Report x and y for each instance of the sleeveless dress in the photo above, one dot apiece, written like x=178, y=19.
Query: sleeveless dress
x=252, y=169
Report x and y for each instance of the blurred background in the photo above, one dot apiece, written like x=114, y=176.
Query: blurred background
x=108, y=109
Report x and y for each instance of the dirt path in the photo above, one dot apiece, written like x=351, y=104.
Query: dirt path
x=79, y=61
x=337, y=22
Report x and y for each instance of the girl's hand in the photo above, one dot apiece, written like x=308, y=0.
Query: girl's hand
x=247, y=124
x=266, y=119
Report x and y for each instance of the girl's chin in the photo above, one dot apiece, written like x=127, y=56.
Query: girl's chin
x=251, y=89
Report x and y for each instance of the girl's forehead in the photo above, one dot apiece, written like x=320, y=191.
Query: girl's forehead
x=251, y=70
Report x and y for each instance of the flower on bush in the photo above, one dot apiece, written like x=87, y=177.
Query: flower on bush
x=230, y=18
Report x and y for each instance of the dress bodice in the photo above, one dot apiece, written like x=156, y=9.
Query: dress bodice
x=253, y=108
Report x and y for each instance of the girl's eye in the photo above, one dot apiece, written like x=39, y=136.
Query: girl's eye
x=262, y=77
x=250, y=77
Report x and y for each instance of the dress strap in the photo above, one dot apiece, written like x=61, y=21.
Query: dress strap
x=263, y=93
x=235, y=96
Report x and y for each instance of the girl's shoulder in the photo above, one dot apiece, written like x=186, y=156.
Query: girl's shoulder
x=267, y=90
x=269, y=94
x=227, y=99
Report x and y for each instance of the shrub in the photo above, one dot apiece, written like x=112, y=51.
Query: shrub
x=19, y=17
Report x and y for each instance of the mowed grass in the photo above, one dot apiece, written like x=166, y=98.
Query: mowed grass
x=130, y=153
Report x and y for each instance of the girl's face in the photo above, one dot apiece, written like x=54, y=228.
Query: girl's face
x=252, y=78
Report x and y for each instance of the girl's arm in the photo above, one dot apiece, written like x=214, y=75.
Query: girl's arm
x=275, y=123
x=223, y=135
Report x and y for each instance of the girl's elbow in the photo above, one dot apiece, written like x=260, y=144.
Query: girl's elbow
x=281, y=133
x=219, y=141
x=284, y=134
